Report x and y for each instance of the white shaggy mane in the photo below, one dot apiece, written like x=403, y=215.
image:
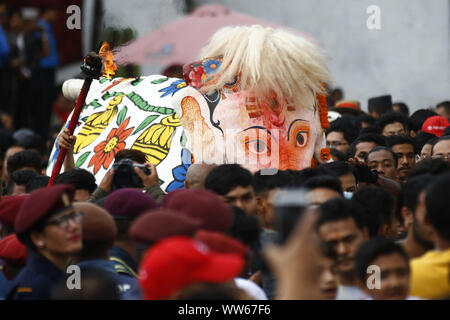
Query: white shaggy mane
x=268, y=59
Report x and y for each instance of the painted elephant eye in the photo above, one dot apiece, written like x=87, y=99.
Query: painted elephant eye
x=257, y=146
x=301, y=138
x=213, y=96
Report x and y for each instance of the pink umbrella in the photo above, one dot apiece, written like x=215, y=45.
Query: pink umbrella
x=180, y=41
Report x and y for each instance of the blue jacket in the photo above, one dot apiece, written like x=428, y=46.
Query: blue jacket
x=123, y=262
x=36, y=280
x=128, y=286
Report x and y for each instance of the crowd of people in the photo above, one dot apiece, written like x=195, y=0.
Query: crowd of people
x=371, y=223
x=379, y=205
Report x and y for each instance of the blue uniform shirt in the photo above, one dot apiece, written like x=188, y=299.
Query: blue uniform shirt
x=128, y=286
x=123, y=262
x=4, y=46
x=36, y=280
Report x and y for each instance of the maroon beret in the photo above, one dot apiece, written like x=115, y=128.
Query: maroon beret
x=221, y=243
x=42, y=202
x=162, y=223
x=9, y=208
x=129, y=202
x=98, y=225
x=12, y=251
x=205, y=205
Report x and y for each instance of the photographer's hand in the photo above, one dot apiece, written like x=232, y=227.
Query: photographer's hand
x=148, y=180
x=107, y=180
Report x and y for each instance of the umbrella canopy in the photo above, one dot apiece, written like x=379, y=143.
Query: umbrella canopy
x=180, y=42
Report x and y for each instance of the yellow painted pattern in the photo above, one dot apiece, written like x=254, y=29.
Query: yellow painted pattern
x=96, y=123
x=155, y=141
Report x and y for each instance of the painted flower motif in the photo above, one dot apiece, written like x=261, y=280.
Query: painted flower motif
x=174, y=87
x=211, y=65
x=179, y=172
x=106, y=150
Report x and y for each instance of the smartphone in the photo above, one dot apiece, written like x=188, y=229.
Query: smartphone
x=290, y=204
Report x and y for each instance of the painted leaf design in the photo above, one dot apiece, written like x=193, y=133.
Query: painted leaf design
x=183, y=139
x=82, y=159
x=137, y=81
x=103, y=80
x=121, y=116
x=84, y=119
x=145, y=123
x=160, y=80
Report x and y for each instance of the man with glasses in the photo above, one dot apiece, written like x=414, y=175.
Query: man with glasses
x=441, y=150
x=342, y=133
x=392, y=124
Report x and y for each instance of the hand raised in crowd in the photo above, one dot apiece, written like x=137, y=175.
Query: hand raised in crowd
x=66, y=141
x=296, y=263
x=148, y=180
x=363, y=172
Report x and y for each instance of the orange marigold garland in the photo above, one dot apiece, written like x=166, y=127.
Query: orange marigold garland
x=323, y=111
x=325, y=154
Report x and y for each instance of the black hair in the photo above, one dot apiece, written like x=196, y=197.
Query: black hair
x=22, y=177
x=389, y=118
x=438, y=204
x=324, y=181
x=339, y=168
x=96, y=284
x=135, y=155
x=379, y=206
x=380, y=108
x=434, y=167
x=367, y=137
x=348, y=126
x=338, y=209
x=370, y=129
x=417, y=119
x=371, y=249
x=36, y=182
x=245, y=227
x=366, y=118
x=400, y=139
x=79, y=178
x=412, y=188
x=262, y=183
x=301, y=176
x=422, y=139
x=338, y=154
x=403, y=108
x=380, y=148
x=226, y=177
x=26, y=158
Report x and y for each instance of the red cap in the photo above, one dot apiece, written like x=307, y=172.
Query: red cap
x=221, y=243
x=9, y=208
x=159, y=224
x=435, y=125
x=42, y=202
x=177, y=262
x=204, y=205
x=12, y=251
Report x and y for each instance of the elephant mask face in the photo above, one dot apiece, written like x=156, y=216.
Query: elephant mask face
x=232, y=125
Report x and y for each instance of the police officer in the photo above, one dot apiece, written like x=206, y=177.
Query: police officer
x=125, y=205
x=99, y=233
x=51, y=230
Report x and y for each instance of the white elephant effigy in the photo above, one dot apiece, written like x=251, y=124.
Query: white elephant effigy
x=255, y=98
